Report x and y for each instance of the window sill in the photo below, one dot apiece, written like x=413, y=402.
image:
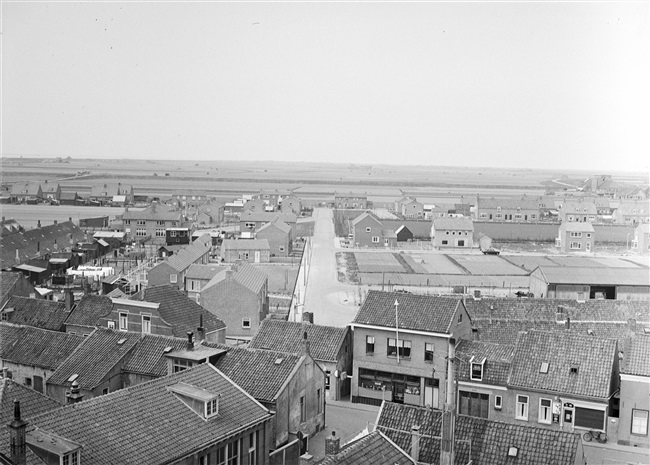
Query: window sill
x=521, y=418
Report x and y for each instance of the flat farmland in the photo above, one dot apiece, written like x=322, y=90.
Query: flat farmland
x=487, y=265
x=382, y=183
x=29, y=215
x=377, y=262
x=437, y=263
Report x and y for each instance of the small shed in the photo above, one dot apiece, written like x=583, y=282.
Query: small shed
x=404, y=234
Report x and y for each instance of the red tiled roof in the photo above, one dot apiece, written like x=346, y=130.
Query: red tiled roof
x=286, y=336
x=148, y=423
x=416, y=312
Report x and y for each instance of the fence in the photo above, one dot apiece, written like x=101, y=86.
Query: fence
x=289, y=454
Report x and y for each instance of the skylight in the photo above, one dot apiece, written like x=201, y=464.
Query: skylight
x=544, y=367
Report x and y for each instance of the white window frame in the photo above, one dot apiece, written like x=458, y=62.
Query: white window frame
x=375, y=239
x=146, y=327
x=370, y=340
x=639, y=426
x=498, y=402
x=173, y=278
x=124, y=321
x=211, y=407
x=252, y=452
x=246, y=323
x=575, y=245
x=368, y=230
x=521, y=407
x=545, y=411
x=474, y=363
x=110, y=324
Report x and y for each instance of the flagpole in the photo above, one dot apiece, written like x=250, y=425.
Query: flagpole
x=396, y=330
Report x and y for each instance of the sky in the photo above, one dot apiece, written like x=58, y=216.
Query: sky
x=491, y=84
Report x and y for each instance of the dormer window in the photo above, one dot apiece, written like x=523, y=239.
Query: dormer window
x=205, y=403
x=543, y=368
x=71, y=458
x=476, y=369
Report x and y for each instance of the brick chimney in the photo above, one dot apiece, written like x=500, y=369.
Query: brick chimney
x=415, y=442
x=69, y=300
x=17, y=429
x=74, y=396
x=38, y=224
x=567, y=323
x=305, y=344
x=190, y=340
x=332, y=444
x=201, y=330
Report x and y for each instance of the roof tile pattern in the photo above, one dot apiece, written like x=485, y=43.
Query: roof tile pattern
x=416, y=312
x=95, y=357
x=490, y=440
x=8, y=280
x=28, y=242
x=148, y=423
x=182, y=259
x=286, y=336
x=90, y=309
x=32, y=403
x=592, y=356
x=497, y=361
x=261, y=373
x=45, y=314
x=373, y=449
x=247, y=275
x=637, y=356
x=148, y=357
x=180, y=311
x=26, y=345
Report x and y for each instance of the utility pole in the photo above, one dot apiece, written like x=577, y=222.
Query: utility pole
x=447, y=452
x=396, y=330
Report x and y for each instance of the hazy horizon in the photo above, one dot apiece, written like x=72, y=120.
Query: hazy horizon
x=531, y=85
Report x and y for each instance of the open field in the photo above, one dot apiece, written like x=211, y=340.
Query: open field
x=29, y=215
x=312, y=181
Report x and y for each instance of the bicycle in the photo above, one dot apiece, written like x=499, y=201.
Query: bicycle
x=599, y=436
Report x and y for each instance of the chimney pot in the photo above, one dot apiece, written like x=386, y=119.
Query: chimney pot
x=567, y=324
x=38, y=224
x=332, y=444
x=190, y=340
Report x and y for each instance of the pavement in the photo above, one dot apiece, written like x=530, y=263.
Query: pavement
x=328, y=299
x=611, y=453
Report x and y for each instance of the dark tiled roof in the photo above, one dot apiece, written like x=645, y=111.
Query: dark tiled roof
x=155, y=212
x=257, y=372
x=372, y=449
x=45, y=314
x=637, y=356
x=490, y=440
x=416, y=312
x=149, y=424
x=95, y=357
x=497, y=361
x=26, y=345
x=547, y=309
x=363, y=216
x=111, y=189
x=247, y=275
x=596, y=276
x=286, y=336
x=32, y=403
x=28, y=242
x=8, y=280
x=593, y=356
x=279, y=224
x=180, y=311
x=89, y=310
x=148, y=357
x=507, y=332
x=182, y=259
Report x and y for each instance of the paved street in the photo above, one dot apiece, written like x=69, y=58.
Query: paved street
x=613, y=454
x=331, y=302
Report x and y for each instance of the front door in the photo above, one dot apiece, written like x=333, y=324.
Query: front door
x=588, y=245
x=257, y=256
